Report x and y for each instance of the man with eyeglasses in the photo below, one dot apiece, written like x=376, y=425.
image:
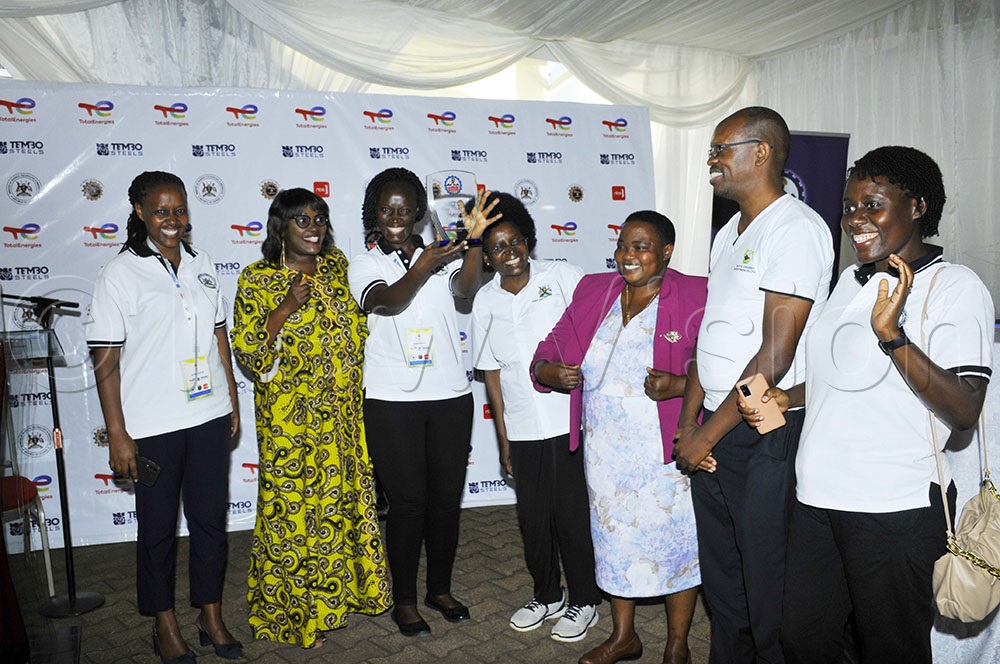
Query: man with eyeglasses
x=769, y=277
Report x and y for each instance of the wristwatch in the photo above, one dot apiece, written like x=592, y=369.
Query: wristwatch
x=900, y=341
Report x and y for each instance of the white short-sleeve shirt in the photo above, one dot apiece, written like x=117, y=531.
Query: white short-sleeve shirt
x=866, y=443
x=787, y=249
x=159, y=323
x=415, y=355
x=506, y=329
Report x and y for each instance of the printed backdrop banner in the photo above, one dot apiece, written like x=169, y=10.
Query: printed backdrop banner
x=69, y=152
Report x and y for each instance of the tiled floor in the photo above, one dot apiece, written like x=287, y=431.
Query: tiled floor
x=489, y=576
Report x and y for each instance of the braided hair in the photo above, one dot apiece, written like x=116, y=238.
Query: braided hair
x=369, y=209
x=141, y=186
x=287, y=204
x=915, y=173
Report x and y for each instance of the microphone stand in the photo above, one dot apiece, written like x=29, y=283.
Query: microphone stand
x=75, y=603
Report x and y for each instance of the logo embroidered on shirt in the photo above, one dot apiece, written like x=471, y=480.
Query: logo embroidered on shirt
x=544, y=292
x=673, y=336
x=747, y=256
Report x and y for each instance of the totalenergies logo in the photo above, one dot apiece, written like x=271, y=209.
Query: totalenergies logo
x=105, y=232
x=176, y=110
x=562, y=124
x=505, y=121
x=245, y=112
x=26, y=232
x=101, y=109
x=615, y=228
x=618, y=125
x=382, y=116
x=252, y=229
x=42, y=483
x=447, y=118
x=569, y=228
x=314, y=114
x=22, y=106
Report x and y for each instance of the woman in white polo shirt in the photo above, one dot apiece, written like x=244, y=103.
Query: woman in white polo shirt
x=511, y=315
x=868, y=523
x=157, y=331
x=418, y=403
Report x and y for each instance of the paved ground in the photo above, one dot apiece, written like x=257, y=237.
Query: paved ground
x=489, y=577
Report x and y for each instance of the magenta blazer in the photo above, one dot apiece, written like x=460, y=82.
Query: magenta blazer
x=678, y=319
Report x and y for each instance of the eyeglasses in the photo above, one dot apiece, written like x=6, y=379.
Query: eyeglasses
x=498, y=250
x=716, y=150
x=303, y=220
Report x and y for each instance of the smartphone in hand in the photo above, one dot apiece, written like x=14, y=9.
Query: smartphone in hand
x=149, y=470
x=751, y=390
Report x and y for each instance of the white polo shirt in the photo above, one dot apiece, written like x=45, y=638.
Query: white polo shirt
x=787, y=249
x=506, y=329
x=159, y=322
x=415, y=355
x=866, y=443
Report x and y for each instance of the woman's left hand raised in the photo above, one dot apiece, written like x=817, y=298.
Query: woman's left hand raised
x=888, y=307
x=477, y=221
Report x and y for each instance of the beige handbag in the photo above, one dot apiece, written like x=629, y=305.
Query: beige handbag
x=966, y=580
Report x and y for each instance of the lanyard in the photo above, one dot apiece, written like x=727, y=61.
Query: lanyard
x=192, y=319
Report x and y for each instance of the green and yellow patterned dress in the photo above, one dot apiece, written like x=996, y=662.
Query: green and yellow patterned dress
x=317, y=553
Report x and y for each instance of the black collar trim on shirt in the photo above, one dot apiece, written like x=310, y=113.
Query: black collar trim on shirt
x=388, y=251
x=933, y=256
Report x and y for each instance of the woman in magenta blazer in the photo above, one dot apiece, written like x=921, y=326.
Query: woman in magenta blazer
x=621, y=350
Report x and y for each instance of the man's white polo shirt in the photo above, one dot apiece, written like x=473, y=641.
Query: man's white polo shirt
x=506, y=329
x=159, y=323
x=787, y=249
x=415, y=355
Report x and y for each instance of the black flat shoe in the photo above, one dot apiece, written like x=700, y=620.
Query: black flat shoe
x=189, y=656
x=455, y=614
x=232, y=650
x=418, y=628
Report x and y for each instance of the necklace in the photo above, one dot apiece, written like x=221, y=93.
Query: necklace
x=627, y=308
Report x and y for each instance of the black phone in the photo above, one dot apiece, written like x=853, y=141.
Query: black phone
x=149, y=470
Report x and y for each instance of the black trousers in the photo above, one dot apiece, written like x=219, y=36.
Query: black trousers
x=420, y=450
x=877, y=565
x=742, y=512
x=554, y=516
x=194, y=463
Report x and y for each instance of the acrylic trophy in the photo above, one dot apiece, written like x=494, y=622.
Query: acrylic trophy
x=445, y=191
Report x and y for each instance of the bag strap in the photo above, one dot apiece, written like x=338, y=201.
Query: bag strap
x=984, y=462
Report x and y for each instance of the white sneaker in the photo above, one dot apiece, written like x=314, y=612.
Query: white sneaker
x=534, y=613
x=575, y=622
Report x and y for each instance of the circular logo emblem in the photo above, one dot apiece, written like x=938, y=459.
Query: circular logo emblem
x=92, y=189
x=269, y=189
x=35, y=441
x=453, y=185
x=207, y=280
x=575, y=193
x=23, y=187
x=101, y=437
x=527, y=191
x=794, y=185
x=209, y=189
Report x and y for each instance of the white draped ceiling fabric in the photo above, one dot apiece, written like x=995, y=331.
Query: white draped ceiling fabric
x=916, y=72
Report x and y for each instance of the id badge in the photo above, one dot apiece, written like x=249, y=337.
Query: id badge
x=197, y=378
x=418, y=347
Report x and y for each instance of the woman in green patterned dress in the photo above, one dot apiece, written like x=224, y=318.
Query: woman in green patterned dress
x=317, y=553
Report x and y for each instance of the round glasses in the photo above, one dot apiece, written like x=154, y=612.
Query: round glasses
x=304, y=220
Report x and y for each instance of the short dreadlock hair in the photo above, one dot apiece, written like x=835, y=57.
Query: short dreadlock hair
x=369, y=209
x=912, y=171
